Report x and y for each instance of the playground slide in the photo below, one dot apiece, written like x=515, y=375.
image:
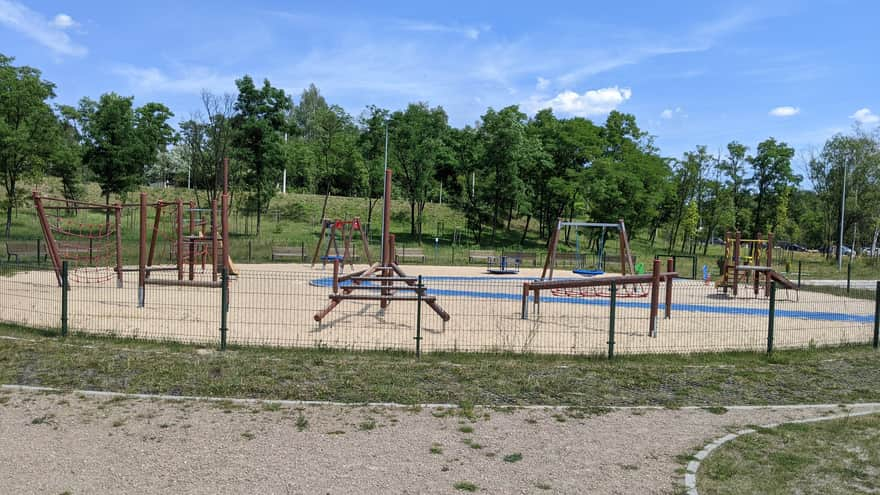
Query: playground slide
x=233, y=270
x=778, y=277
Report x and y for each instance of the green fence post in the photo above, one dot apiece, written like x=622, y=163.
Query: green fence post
x=250, y=249
x=419, y=289
x=771, y=318
x=848, y=276
x=224, y=306
x=65, y=287
x=800, y=262
x=877, y=315
x=611, y=317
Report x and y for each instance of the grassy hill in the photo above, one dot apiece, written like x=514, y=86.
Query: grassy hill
x=294, y=220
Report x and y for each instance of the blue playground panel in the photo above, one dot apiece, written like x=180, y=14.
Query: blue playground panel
x=602, y=301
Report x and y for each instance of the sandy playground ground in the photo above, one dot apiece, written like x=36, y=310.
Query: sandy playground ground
x=274, y=304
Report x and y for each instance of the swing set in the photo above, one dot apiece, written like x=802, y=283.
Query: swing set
x=345, y=229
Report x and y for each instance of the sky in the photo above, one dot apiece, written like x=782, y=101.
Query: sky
x=693, y=73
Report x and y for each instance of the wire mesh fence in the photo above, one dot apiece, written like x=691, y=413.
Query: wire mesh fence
x=278, y=308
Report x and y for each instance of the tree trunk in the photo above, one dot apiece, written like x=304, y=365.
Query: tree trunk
x=509, y=216
x=259, y=210
x=522, y=241
x=9, y=220
x=326, y=198
x=412, y=218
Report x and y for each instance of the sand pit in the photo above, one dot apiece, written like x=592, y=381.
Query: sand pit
x=274, y=304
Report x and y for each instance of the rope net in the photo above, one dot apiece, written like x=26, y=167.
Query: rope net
x=85, y=237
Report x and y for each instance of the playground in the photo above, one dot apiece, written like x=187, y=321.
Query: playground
x=275, y=304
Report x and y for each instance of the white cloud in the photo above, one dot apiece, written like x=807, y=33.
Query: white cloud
x=469, y=32
x=785, y=111
x=189, y=80
x=670, y=113
x=542, y=83
x=63, y=21
x=865, y=116
x=34, y=25
x=593, y=102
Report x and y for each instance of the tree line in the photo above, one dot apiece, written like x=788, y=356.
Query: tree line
x=507, y=166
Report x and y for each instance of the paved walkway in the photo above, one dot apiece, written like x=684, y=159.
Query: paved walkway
x=69, y=442
x=854, y=284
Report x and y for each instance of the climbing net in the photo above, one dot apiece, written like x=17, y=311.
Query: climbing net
x=623, y=291
x=85, y=235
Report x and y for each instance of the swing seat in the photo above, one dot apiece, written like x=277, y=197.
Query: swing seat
x=332, y=257
x=588, y=273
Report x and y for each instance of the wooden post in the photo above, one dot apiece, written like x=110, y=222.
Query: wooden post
x=51, y=248
x=155, y=237
x=669, y=269
x=336, y=276
x=655, y=299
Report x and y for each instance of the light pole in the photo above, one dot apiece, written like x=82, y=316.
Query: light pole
x=842, y=210
x=384, y=191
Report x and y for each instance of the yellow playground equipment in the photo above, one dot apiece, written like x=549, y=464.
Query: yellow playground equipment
x=745, y=261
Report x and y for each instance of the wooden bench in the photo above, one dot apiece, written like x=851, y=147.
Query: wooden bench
x=279, y=252
x=21, y=249
x=410, y=253
x=522, y=257
x=482, y=256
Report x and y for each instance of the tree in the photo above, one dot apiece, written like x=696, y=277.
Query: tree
x=206, y=140
x=733, y=168
x=151, y=122
x=113, y=149
x=259, y=119
x=340, y=167
x=371, y=143
x=418, y=144
x=28, y=129
x=772, y=178
x=66, y=161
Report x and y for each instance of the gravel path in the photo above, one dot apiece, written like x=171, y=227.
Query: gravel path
x=55, y=443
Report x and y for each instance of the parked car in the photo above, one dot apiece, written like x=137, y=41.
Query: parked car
x=868, y=251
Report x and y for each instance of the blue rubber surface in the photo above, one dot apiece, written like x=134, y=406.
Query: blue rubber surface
x=603, y=301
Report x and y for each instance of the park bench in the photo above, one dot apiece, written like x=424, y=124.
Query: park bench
x=482, y=256
x=279, y=252
x=410, y=253
x=21, y=249
x=522, y=257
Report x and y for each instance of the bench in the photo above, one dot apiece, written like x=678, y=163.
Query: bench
x=279, y=252
x=483, y=256
x=411, y=253
x=522, y=257
x=24, y=249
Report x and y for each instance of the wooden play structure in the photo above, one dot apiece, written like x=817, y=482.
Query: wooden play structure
x=85, y=235
x=607, y=286
x=331, y=229
x=625, y=257
x=187, y=246
x=381, y=281
x=746, y=262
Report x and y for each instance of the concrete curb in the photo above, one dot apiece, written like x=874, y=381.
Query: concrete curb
x=690, y=477
x=283, y=402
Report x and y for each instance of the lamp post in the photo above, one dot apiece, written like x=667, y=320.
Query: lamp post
x=842, y=211
x=384, y=191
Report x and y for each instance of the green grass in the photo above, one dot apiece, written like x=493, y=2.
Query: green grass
x=826, y=375
x=466, y=486
x=829, y=457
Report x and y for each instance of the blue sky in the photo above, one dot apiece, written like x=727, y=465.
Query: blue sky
x=692, y=73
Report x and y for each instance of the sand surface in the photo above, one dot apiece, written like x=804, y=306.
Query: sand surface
x=274, y=304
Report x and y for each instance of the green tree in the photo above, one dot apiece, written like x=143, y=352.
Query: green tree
x=154, y=131
x=733, y=169
x=113, y=148
x=259, y=120
x=371, y=143
x=772, y=178
x=340, y=166
x=418, y=144
x=66, y=161
x=28, y=129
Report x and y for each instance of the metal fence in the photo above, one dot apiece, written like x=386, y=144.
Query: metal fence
x=277, y=308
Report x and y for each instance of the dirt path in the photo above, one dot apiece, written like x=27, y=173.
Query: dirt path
x=55, y=443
